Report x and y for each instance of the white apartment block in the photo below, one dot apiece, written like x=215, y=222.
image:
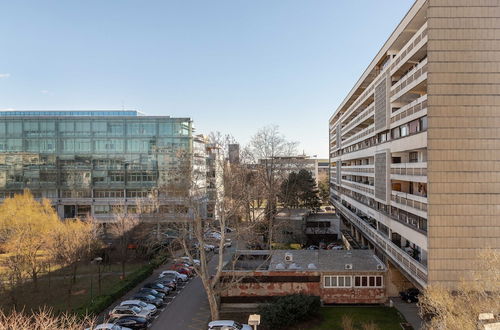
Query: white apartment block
x=415, y=145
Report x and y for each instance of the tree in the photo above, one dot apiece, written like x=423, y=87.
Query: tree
x=71, y=242
x=324, y=190
x=122, y=229
x=264, y=149
x=25, y=227
x=299, y=189
x=444, y=308
x=44, y=319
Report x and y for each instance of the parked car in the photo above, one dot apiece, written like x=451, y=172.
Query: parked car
x=186, y=259
x=313, y=247
x=410, y=295
x=108, y=326
x=158, y=287
x=170, y=282
x=132, y=322
x=148, y=298
x=183, y=270
x=178, y=276
x=228, y=325
x=153, y=292
x=150, y=307
x=128, y=311
x=184, y=264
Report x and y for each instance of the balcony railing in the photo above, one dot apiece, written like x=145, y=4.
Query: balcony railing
x=364, y=132
x=410, y=77
x=416, y=270
x=414, y=169
x=358, y=169
x=417, y=202
x=409, y=109
x=356, y=120
x=359, y=186
x=410, y=45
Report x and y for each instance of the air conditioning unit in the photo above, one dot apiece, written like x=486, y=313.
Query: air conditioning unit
x=288, y=257
x=380, y=267
x=348, y=266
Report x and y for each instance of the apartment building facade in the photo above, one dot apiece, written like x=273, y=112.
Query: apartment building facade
x=98, y=162
x=414, y=147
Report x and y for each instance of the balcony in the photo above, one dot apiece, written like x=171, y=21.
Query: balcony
x=362, y=116
x=401, y=171
x=367, y=131
x=411, y=47
x=412, y=267
x=362, y=170
x=410, y=80
x=408, y=110
x=413, y=201
x=359, y=187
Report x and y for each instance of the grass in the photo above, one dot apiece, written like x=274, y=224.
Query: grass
x=53, y=288
x=385, y=318
x=330, y=318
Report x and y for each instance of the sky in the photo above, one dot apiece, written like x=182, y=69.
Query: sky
x=233, y=66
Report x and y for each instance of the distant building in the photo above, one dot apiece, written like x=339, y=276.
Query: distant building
x=215, y=180
x=323, y=169
x=234, y=153
x=96, y=162
x=290, y=164
x=337, y=277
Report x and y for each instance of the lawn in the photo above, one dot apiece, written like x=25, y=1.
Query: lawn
x=385, y=318
x=330, y=318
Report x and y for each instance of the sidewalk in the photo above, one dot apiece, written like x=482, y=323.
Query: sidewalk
x=409, y=311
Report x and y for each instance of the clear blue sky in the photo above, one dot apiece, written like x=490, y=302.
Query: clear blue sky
x=231, y=65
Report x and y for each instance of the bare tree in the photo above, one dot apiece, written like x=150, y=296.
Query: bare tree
x=264, y=149
x=122, y=229
x=71, y=242
x=44, y=319
x=444, y=308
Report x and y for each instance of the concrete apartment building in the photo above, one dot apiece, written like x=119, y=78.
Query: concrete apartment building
x=414, y=146
x=97, y=162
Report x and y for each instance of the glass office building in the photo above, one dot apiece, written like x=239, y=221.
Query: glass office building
x=89, y=162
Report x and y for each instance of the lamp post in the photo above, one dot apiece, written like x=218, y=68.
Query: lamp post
x=98, y=262
x=254, y=320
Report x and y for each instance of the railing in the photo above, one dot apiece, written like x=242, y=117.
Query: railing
x=409, y=109
x=358, y=169
x=359, y=135
x=359, y=186
x=369, y=90
x=356, y=120
x=417, y=169
x=410, y=45
x=416, y=270
x=410, y=77
x=417, y=202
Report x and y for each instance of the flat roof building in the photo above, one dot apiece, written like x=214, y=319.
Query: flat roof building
x=414, y=149
x=93, y=162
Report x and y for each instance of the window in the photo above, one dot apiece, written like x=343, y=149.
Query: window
x=395, y=133
x=337, y=281
x=404, y=130
x=368, y=281
x=423, y=123
x=414, y=126
x=14, y=128
x=413, y=157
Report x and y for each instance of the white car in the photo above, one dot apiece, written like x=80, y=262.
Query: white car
x=141, y=304
x=108, y=326
x=183, y=277
x=228, y=325
x=119, y=311
x=195, y=261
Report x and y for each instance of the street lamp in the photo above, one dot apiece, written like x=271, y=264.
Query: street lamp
x=254, y=319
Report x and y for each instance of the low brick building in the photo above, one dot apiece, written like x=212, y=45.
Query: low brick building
x=337, y=277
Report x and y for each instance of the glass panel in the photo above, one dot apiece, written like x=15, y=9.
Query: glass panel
x=364, y=281
x=348, y=281
x=372, y=281
x=379, y=281
x=334, y=280
x=327, y=281
x=14, y=128
x=341, y=281
x=357, y=281
x=165, y=129
x=14, y=145
x=2, y=129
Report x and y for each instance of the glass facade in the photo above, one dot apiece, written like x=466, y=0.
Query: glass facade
x=89, y=162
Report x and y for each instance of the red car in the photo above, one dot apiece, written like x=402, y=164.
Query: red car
x=183, y=270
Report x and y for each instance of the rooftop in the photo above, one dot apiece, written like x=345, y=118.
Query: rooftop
x=310, y=260
x=71, y=113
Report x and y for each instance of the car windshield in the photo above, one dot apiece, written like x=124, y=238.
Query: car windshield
x=136, y=309
x=142, y=303
x=238, y=325
x=159, y=285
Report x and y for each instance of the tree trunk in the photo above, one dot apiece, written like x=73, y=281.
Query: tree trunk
x=73, y=275
x=34, y=276
x=214, y=305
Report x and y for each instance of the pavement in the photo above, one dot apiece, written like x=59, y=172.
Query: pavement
x=409, y=311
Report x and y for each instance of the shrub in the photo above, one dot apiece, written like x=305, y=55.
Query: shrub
x=288, y=310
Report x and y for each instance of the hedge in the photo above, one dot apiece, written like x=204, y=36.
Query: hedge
x=101, y=302
x=288, y=310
